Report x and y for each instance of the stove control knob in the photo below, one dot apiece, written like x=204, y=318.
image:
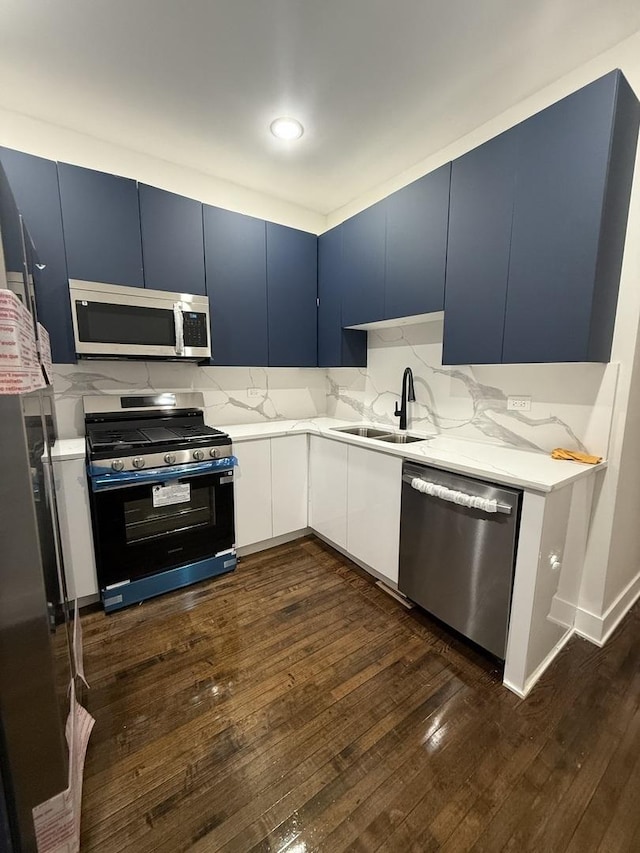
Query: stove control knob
x=170, y=458
x=198, y=454
x=214, y=452
x=138, y=462
x=117, y=465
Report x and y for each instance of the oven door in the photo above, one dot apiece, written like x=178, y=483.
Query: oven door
x=150, y=521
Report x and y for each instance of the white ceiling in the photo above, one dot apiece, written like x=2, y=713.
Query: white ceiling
x=378, y=84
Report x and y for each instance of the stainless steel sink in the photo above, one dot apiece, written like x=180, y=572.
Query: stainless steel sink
x=381, y=434
x=401, y=438
x=363, y=431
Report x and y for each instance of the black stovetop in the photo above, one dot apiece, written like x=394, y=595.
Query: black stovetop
x=150, y=434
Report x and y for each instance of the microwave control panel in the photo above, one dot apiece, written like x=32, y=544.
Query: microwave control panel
x=195, y=329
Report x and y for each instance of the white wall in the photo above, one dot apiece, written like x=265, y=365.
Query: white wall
x=58, y=143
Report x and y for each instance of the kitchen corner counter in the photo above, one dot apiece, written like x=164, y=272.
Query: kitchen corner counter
x=68, y=448
x=525, y=469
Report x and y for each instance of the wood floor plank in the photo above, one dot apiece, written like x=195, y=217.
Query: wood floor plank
x=291, y=705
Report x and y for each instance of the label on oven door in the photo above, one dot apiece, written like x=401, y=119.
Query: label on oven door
x=173, y=493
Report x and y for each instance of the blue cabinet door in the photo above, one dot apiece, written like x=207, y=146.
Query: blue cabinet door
x=101, y=221
x=172, y=241
x=292, y=289
x=236, y=275
x=416, y=246
x=34, y=182
x=562, y=168
x=363, y=260
x=481, y=211
x=11, y=232
x=337, y=347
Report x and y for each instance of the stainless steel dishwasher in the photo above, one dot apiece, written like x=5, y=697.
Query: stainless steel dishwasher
x=458, y=540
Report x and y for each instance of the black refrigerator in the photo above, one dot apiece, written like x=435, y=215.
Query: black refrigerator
x=35, y=622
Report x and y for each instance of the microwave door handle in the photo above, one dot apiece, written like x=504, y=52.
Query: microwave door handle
x=179, y=323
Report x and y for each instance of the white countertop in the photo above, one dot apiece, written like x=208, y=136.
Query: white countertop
x=68, y=448
x=523, y=468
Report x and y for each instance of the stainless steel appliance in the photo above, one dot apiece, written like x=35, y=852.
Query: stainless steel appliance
x=35, y=663
x=458, y=540
x=161, y=495
x=112, y=321
x=35, y=660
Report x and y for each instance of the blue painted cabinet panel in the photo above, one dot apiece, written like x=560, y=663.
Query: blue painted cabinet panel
x=363, y=261
x=563, y=201
x=11, y=230
x=292, y=288
x=481, y=211
x=416, y=246
x=172, y=241
x=101, y=221
x=236, y=275
x=337, y=347
x=34, y=182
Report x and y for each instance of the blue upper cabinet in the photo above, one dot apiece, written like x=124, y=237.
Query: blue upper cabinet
x=292, y=288
x=172, y=241
x=363, y=262
x=34, y=183
x=101, y=221
x=11, y=232
x=416, y=246
x=481, y=211
x=337, y=347
x=236, y=275
x=574, y=171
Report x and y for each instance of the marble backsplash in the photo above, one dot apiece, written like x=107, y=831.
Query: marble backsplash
x=572, y=404
x=231, y=394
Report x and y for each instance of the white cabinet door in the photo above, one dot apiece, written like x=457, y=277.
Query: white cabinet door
x=289, y=480
x=74, y=515
x=252, y=491
x=328, y=489
x=374, y=486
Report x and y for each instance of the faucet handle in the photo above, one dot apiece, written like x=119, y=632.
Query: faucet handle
x=397, y=412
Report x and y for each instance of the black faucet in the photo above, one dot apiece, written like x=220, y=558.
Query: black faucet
x=408, y=396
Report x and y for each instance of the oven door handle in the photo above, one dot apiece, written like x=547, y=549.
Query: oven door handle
x=122, y=479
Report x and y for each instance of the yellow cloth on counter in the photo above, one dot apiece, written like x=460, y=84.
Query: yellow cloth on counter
x=575, y=456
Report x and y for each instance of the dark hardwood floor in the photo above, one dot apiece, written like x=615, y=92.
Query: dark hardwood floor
x=293, y=706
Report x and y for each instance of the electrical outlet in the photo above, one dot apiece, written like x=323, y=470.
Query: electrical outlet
x=342, y=390
x=519, y=404
x=254, y=392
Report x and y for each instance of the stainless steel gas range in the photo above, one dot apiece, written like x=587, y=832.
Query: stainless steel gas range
x=161, y=486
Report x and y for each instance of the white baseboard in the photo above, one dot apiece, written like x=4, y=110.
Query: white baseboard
x=535, y=676
x=245, y=550
x=598, y=629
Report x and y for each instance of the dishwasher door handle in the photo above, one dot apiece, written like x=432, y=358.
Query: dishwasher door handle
x=454, y=496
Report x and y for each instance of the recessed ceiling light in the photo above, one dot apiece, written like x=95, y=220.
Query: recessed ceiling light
x=286, y=128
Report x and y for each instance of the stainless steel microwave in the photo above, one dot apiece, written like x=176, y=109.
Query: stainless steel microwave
x=111, y=321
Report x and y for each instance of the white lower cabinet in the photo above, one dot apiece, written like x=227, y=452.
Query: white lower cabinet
x=289, y=483
x=374, y=486
x=328, y=489
x=74, y=516
x=349, y=495
x=252, y=491
x=270, y=488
